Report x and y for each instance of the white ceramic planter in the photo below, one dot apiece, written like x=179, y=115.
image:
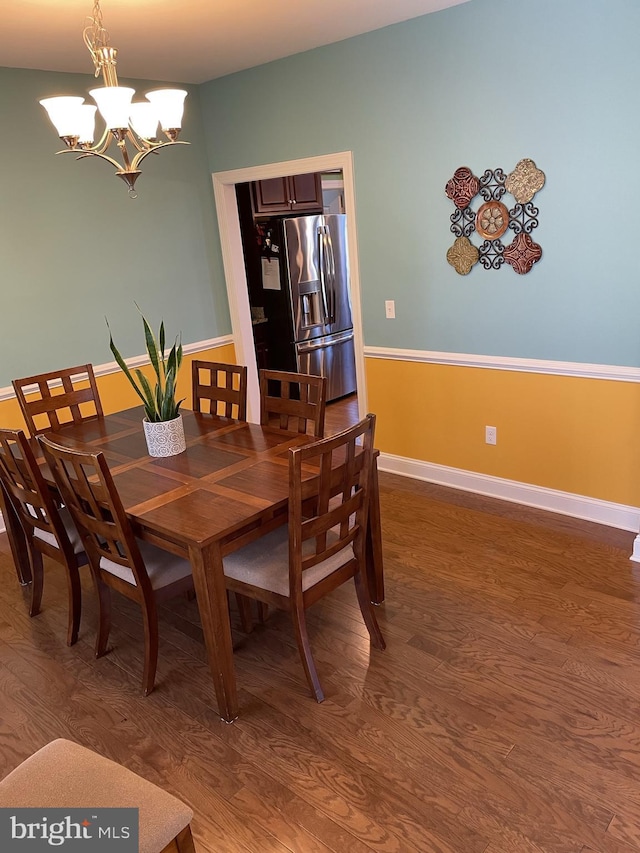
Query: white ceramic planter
x=165, y=438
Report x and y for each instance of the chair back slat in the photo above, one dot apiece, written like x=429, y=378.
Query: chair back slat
x=88, y=490
x=46, y=408
x=298, y=402
x=329, y=491
x=219, y=389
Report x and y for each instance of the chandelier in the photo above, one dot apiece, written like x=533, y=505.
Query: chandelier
x=132, y=126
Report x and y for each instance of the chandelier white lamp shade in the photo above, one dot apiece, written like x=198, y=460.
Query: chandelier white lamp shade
x=169, y=104
x=133, y=126
x=143, y=118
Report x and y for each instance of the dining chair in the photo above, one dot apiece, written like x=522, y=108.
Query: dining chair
x=138, y=570
x=65, y=775
x=291, y=401
x=45, y=408
x=219, y=389
x=48, y=529
x=295, y=400
x=323, y=545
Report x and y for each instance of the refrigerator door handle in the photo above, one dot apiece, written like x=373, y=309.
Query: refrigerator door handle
x=337, y=339
x=331, y=266
x=322, y=265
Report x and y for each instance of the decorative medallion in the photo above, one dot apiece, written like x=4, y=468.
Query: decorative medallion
x=462, y=255
x=525, y=181
x=492, y=220
x=462, y=187
x=522, y=254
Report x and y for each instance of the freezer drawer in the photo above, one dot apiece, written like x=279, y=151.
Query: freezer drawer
x=331, y=356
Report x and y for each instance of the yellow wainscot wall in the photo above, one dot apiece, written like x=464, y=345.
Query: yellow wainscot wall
x=572, y=434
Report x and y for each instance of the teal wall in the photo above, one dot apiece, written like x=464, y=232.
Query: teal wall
x=483, y=84
x=74, y=247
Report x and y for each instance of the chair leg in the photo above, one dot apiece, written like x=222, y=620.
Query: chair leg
x=244, y=609
x=103, y=594
x=263, y=611
x=16, y=537
x=150, y=622
x=184, y=841
x=37, y=579
x=75, y=604
x=368, y=613
x=302, y=638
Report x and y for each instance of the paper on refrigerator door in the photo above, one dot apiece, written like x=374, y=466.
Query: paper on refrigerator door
x=271, y=274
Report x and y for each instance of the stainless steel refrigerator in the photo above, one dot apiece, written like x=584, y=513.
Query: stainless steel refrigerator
x=314, y=277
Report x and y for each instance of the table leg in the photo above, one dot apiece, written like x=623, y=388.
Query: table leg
x=208, y=577
x=17, y=542
x=375, y=570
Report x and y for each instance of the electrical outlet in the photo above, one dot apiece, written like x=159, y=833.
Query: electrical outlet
x=390, y=309
x=491, y=435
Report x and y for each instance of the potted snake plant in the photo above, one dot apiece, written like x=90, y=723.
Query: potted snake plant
x=162, y=423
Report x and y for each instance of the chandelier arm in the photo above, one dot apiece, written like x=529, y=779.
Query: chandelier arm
x=140, y=143
x=104, y=142
x=99, y=148
x=84, y=154
x=135, y=143
x=140, y=157
x=104, y=157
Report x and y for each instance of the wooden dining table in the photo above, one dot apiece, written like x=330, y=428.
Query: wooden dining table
x=232, y=479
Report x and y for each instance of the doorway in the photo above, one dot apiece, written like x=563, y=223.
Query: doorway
x=224, y=184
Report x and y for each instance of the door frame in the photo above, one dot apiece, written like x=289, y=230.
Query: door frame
x=224, y=184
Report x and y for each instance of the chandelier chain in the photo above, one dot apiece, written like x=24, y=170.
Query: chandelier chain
x=96, y=36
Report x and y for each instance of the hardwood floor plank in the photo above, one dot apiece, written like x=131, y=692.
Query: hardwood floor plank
x=345, y=790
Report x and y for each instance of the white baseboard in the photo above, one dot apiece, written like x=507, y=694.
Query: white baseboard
x=578, y=506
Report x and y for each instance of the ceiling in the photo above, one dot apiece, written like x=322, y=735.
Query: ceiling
x=189, y=41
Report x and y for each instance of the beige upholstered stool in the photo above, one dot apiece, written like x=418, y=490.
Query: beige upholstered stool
x=65, y=774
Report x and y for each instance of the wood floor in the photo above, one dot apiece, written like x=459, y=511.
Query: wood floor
x=503, y=716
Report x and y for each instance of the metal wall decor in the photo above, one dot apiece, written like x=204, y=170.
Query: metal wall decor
x=493, y=218
x=462, y=255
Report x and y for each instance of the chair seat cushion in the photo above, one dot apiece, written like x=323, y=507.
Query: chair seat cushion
x=265, y=562
x=64, y=774
x=162, y=567
x=69, y=526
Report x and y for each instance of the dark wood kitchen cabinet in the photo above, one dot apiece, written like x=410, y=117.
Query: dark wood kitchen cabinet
x=293, y=194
